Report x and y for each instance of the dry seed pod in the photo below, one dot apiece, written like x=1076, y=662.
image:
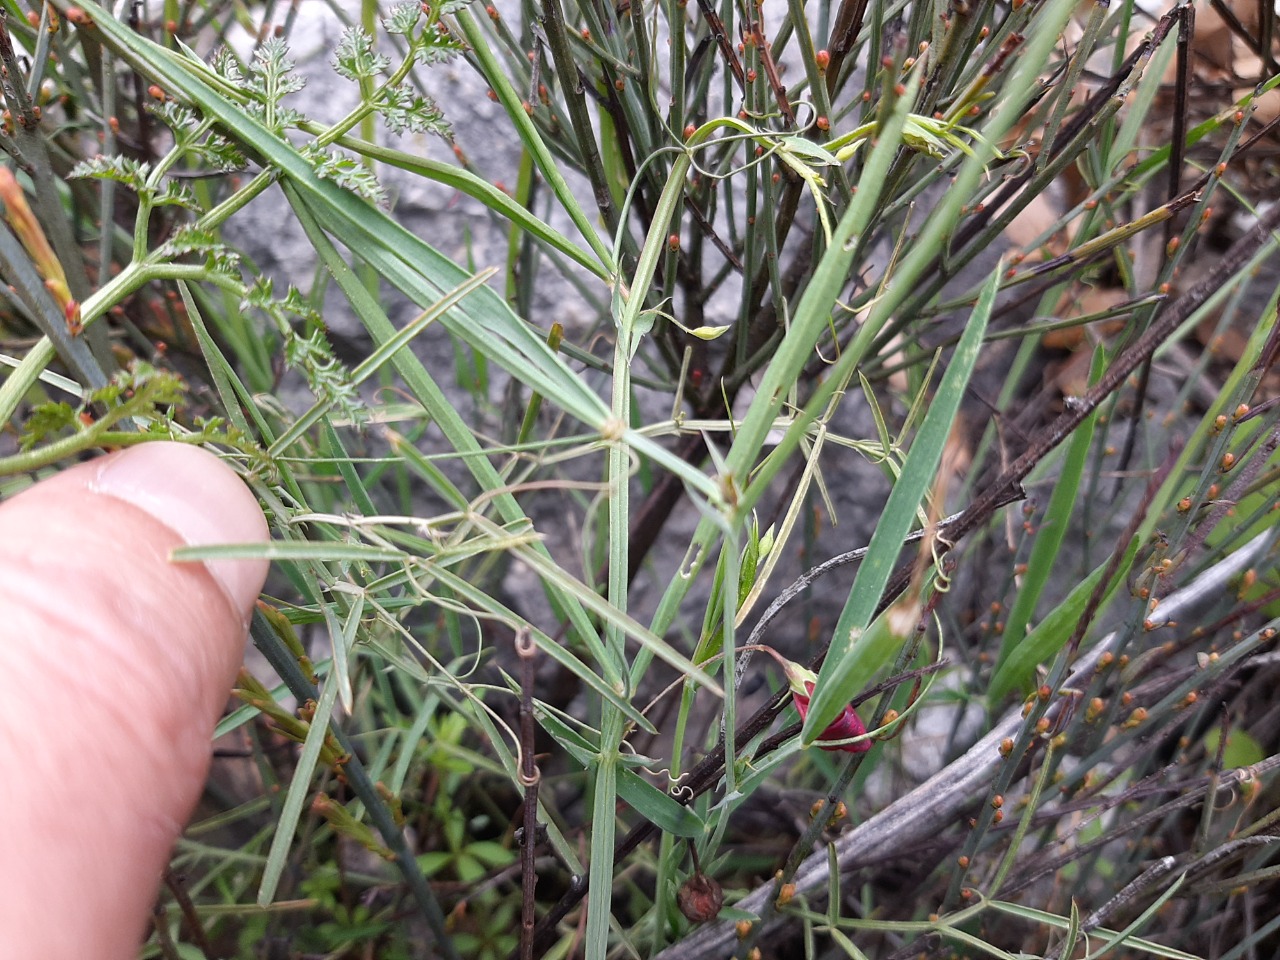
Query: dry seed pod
x=700, y=898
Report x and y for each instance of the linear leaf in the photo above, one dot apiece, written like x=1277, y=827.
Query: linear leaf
x=849, y=663
x=1053, y=528
x=650, y=802
x=1049, y=635
x=299, y=787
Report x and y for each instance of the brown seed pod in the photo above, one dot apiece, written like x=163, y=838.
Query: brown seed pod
x=700, y=898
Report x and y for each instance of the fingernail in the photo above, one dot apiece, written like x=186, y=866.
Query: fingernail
x=200, y=499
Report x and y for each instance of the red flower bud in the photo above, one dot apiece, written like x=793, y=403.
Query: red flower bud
x=801, y=681
x=843, y=727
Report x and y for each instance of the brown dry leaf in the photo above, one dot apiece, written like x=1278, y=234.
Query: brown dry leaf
x=1229, y=345
x=1076, y=302
x=1071, y=377
x=1033, y=221
x=1214, y=39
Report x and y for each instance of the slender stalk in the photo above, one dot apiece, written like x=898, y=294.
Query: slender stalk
x=571, y=83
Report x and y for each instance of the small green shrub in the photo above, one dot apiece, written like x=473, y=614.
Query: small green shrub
x=970, y=245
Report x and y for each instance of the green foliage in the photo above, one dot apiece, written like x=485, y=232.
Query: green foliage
x=403, y=18
x=403, y=109
x=355, y=57
x=136, y=176
x=347, y=172
x=454, y=619
x=137, y=404
x=124, y=170
x=139, y=392
x=270, y=79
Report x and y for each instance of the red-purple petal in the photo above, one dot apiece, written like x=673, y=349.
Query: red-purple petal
x=843, y=727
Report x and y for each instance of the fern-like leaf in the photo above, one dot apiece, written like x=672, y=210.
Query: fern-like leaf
x=405, y=109
x=355, y=57
x=327, y=378
x=227, y=65
x=345, y=172
x=125, y=170
x=176, y=194
x=219, y=152
x=44, y=422
x=272, y=80
x=437, y=45
x=178, y=117
x=403, y=18
x=190, y=239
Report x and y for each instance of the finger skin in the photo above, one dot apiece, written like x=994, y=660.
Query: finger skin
x=115, y=664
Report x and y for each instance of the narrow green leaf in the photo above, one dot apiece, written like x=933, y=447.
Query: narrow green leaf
x=850, y=663
x=299, y=787
x=651, y=803
x=343, y=635
x=528, y=133
x=1049, y=635
x=1073, y=931
x=324, y=550
x=466, y=182
x=1053, y=528
x=223, y=375
x=1062, y=923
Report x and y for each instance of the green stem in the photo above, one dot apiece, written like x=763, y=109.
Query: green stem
x=24, y=377
x=97, y=436
x=510, y=100
x=579, y=117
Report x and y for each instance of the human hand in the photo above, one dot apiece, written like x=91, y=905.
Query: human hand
x=115, y=664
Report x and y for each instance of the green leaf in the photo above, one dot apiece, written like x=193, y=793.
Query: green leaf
x=178, y=117
x=227, y=65
x=1053, y=528
x=327, y=378
x=1049, y=636
x=346, y=172
x=355, y=57
x=132, y=173
x=850, y=663
x=323, y=551
x=1242, y=749
x=269, y=82
x=45, y=421
x=466, y=182
x=296, y=796
x=491, y=853
x=190, y=238
x=496, y=75
x=651, y=803
x=218, y=152
x=432, y=863
x=404, y=109
x=403, y=18
x=176, y=194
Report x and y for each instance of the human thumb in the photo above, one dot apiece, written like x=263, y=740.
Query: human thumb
x=115, y=663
